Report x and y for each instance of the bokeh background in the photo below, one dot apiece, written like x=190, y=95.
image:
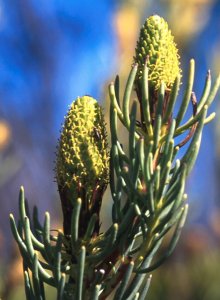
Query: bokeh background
x=53, y=51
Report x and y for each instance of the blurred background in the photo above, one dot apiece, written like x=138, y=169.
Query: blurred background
x=53, y=51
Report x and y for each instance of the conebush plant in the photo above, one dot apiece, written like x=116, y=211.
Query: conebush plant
x=147, y=181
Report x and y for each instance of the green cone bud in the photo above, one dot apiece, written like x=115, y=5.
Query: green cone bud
x=83, y=158
x=156, y=44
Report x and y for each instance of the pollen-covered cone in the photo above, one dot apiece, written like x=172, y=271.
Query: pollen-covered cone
x=82, y=168
x=156, y=45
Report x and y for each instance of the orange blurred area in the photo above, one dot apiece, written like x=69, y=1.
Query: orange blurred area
x=5, y=134
x=126, y=24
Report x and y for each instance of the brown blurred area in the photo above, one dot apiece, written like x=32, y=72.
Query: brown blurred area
x=187, y=17
x=9, y=164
